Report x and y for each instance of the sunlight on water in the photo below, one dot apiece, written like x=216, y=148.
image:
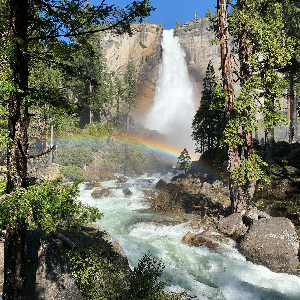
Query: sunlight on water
x=220, y=274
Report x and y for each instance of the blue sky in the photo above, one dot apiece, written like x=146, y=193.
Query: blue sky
x=168, y=11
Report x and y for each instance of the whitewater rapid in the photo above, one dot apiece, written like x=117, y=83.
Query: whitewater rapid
x=222, y=274
x=173, y=109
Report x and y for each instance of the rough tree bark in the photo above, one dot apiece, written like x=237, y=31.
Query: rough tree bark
x=236, y=192
x=290, y=109
x=18, y=121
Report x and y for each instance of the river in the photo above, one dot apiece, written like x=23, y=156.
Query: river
x=208, y=274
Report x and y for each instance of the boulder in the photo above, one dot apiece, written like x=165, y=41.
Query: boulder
x=163, y=183
x=121, y=179
x=272, y=242
x=199, y=240
x=127, y=191
x=230, y=224
x=91, y=185
x=48, y=274
x=97, y=194
x=253, y=215
x=187, y=239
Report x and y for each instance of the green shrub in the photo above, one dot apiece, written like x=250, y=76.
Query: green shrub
x=72, y=173
x=100, y=273
x=98, y=130
x=74, y=156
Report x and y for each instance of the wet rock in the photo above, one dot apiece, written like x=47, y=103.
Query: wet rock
x=163, y=183
x=253, y=215
x=129, y=203
x=199, y=240
x=230, y=224
x=272, y=243
x=91, y=185
x=121, y=179
x=97, y=194
x=213, y=246
x=127, y=191
x=187, y=239
x=208, y=232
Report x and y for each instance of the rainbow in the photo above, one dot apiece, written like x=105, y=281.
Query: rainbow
x=156, y=145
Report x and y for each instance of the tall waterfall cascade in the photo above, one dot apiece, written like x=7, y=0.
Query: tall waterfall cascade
x=173, y=108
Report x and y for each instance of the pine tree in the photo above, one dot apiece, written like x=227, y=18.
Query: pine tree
x=263, y=49
x=209, y=123
x=130, y=89
x=184, y=160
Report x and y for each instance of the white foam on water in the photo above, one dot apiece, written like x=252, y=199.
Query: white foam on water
x=222, y=274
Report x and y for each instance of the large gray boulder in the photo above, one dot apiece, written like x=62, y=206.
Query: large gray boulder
x=48, y=273
x=231, y=224
x=272, y=242
x=253, y=215
x=163, y=183
x=97, y=194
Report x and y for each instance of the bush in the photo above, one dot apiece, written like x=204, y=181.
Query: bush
x=100, y=273
x=97, y=130
x=74, y=156
x=72, y=173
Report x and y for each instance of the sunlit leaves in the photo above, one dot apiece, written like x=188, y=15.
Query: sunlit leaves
x=47, y=206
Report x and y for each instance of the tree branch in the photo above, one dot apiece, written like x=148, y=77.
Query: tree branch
x=40, y=154
x=82, y=33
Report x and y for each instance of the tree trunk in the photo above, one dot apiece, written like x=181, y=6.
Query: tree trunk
x=236, y=193
x=270, y=145
x=128, y=120
x=245, y=72
x=18, y=117
x=290, y=110
x=91, y=114
x=15, y=262
x=14, y=287
x=51, y=140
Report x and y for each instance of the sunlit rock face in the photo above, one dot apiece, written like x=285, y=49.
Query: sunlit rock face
x=194, y=39
x=144, y=48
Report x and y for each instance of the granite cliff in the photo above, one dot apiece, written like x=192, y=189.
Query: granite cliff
x=144, y=48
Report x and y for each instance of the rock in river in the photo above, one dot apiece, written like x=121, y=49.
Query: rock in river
x=272, y=243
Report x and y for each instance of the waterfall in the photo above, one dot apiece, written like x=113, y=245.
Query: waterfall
x=173, y=108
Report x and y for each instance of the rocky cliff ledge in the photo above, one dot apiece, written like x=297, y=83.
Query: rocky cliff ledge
x=194, y=39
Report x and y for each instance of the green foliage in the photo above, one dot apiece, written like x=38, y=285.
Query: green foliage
x=2, y=187
x=209, y=121
x=72, y=173
x=97, y=269
x=98, y=130
x=250, y=169
x=74, y=156
x=184, y=160
x=130, y=84
x=177, y=24
x=99, y=273
x=47, y=206
x=208, y=14
x=3, y=126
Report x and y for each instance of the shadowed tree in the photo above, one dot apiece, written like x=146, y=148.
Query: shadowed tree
x=30, y=31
